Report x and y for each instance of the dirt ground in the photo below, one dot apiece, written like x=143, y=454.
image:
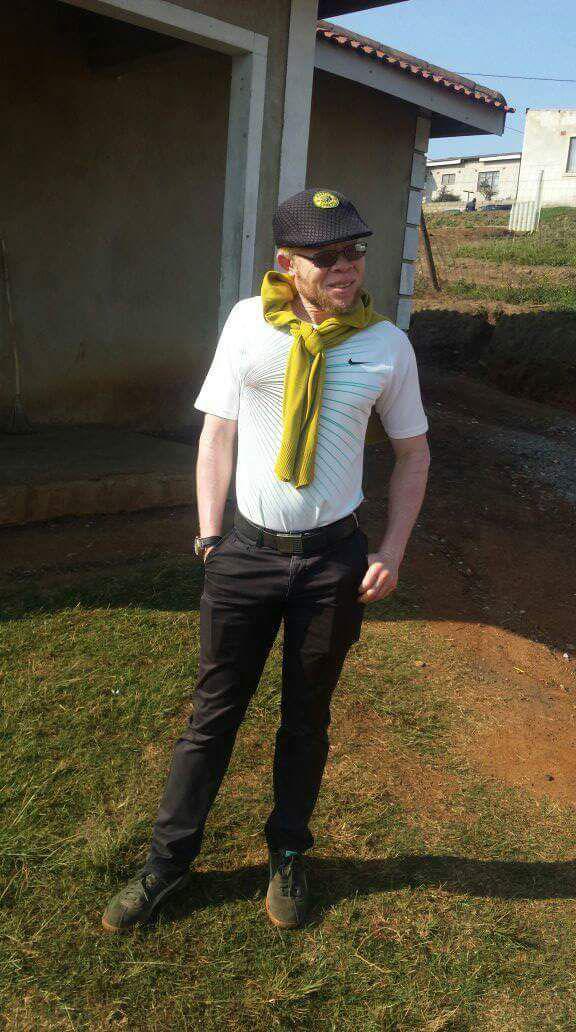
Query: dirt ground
x=491, y=565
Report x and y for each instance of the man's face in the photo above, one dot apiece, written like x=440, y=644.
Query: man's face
x=335, y=290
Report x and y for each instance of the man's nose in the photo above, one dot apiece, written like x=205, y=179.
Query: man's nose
x=343, y=263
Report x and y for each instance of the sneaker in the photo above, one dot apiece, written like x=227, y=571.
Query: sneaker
x=140, y=897
x=287, y=897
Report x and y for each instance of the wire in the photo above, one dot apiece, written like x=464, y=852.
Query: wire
x=525, y=78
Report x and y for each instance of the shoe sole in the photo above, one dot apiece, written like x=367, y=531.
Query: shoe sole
x=119, y=929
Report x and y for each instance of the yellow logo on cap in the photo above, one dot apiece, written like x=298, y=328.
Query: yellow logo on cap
x=324, y=199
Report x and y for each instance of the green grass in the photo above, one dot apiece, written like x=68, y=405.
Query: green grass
x=551, y=215
x=528, y=250
x=561, y=297
x=466, y=219
x=553, y=244
x=450, y=909
x=556, y=249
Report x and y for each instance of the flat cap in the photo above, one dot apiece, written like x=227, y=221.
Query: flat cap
x=316, y=217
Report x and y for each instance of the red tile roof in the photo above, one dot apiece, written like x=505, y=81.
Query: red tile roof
x=371, y=50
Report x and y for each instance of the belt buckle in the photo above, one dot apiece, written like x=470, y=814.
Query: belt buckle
x=287, y=540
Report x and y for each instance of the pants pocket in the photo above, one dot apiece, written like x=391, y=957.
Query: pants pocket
x=220, y=546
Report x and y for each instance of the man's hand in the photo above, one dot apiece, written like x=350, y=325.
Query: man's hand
x=380, y=579
x=407, y=487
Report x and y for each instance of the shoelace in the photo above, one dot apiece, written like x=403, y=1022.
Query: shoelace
x=133, y=892
x=287, y=868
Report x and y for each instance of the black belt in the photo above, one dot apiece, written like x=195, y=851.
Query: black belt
x=304, y=543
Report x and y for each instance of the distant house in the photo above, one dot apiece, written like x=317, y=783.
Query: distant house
x=549, y=157
x=488, y=178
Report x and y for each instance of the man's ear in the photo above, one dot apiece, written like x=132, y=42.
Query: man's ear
x=284, y=261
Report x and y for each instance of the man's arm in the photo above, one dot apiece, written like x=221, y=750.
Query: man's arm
x=214, y=469
x=406, y=494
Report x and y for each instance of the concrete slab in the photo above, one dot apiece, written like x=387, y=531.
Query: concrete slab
x=78, y=472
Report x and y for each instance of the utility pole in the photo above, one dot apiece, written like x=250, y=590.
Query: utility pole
x=429, y=255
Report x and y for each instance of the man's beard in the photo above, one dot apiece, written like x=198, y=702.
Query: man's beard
x=323, y=301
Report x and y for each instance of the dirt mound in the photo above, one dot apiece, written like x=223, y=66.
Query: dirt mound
x=535, y=353
x=451, y=340
x=529, y=354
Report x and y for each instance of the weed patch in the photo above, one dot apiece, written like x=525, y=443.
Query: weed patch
x=561, y=297
x=447, y=906
x=554, y=244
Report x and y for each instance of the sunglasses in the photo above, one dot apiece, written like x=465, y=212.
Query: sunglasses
x=326, y=259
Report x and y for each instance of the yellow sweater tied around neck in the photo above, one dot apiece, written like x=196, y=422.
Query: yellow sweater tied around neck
x=305, y=372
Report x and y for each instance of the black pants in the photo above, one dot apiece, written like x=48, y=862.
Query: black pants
x=248, y=590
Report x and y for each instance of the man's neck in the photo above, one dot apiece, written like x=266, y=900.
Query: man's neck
x=307, y=311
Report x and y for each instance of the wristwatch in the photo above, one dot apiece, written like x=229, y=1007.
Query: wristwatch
x=202, y=543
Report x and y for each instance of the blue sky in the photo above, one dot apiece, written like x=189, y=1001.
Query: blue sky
x=507, y=37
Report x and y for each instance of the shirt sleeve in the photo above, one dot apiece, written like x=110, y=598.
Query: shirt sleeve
x=400, y=405
x=220, y=392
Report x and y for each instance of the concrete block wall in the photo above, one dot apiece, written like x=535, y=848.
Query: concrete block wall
x=413, y=212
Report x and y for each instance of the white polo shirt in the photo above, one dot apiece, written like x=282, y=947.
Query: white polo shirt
x=375, y=367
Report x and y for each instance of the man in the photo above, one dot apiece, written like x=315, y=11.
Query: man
x=296, y=373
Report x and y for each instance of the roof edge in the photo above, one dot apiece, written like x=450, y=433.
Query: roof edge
x=373, y=50
x=508, y=155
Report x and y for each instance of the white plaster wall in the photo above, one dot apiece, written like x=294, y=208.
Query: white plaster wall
x=546, y=142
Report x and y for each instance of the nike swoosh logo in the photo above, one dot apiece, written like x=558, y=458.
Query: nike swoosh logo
x=351, y=362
